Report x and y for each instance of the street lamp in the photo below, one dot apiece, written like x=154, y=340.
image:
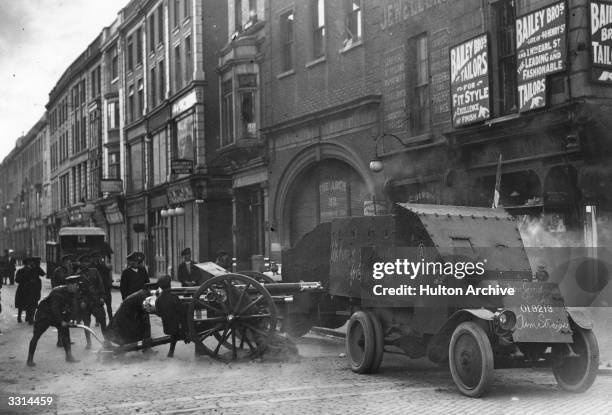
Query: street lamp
x=376, y=164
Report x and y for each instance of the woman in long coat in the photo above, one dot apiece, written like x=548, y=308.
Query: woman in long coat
x=28, y=290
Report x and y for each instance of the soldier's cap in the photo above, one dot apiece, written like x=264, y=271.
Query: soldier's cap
x=150, y=286
x=74, y=279
x=164, y=282
x=136, y=256
x=186, y=251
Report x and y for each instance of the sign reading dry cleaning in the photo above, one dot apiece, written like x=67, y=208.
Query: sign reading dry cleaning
x=540, y=51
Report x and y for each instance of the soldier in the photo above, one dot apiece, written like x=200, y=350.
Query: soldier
x=107, y=279
x=130, y=322
x=172, y=313
x=57, y=309
x=92, y=295
x=135, y=276
x=187, y=273
x=223, y=259
x=62, y=272
x=28, y=290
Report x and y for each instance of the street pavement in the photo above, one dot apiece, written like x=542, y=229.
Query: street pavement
x=320, y=382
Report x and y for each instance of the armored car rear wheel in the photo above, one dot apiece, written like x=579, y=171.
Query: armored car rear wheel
x=578, y=370
x=471, y=359
x=360, y=342
x=231, y=317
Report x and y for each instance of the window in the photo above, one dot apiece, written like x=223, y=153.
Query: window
x=139, y=46
x=187, y=8
x=114, y=64
x=114, y=166
x=318, y=20
x=354, y=28
x=419, y=113
x=227, y=113
x=286, y=25
x=506, y=59
x=83, y=144
x=113, y=115
x=188, y=60
x=76, y=132
x=162, y=81
x=136, y=179
x=177, y=11
x=153, y=82
x=252, y=12
x=130, y=54
x=131, y=103
x=238, y=16
x=160, y=158
x=178, y=81
x=141, y=102
x=152, y=32
x=160, y=24
x=83, y=92
x=247, y=92
x=64, y=190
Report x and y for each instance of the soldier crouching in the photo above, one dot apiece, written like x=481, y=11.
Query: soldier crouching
x=57, y=310
x=173, y=314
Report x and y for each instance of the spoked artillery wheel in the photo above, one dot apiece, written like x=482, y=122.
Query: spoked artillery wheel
x=577, y=370
x=231, y=316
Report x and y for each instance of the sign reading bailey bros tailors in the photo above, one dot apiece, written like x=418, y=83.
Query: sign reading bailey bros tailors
x=470, y=81
x=540, y=51
x=601, y=40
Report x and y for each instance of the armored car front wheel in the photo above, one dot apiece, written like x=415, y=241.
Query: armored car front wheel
x=471, y=359
x=360, y=342
x=578, y=369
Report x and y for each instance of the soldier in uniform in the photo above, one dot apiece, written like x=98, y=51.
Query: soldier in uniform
x=28, y=290
x=107, y=279
x=172, y=313
x=57, y=310
x=135, y=276
x=92, y=295
x=62, y=272
x=59, y=278
x=130, y=323
x=187, y=273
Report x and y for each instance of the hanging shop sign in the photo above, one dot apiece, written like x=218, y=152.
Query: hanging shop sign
x=180, y=193
x=111, y=186
x=540, y=51
x=181, y=166
x=601, y=40
x=470, y=81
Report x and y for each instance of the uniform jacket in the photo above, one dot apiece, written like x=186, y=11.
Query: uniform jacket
x=92, y=286
x=107, y=278
x=28, y=290
x=172, y=313
x=60, y=305
x=132, y=281
x=130, y=323
x=59, y=276
x=188, y=275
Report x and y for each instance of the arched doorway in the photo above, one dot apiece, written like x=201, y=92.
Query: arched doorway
x=327, y=189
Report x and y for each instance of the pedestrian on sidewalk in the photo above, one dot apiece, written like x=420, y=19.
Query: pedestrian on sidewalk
x=57, y=310
x=28, y=289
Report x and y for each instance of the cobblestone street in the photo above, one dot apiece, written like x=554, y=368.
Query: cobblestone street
x=320, y=383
